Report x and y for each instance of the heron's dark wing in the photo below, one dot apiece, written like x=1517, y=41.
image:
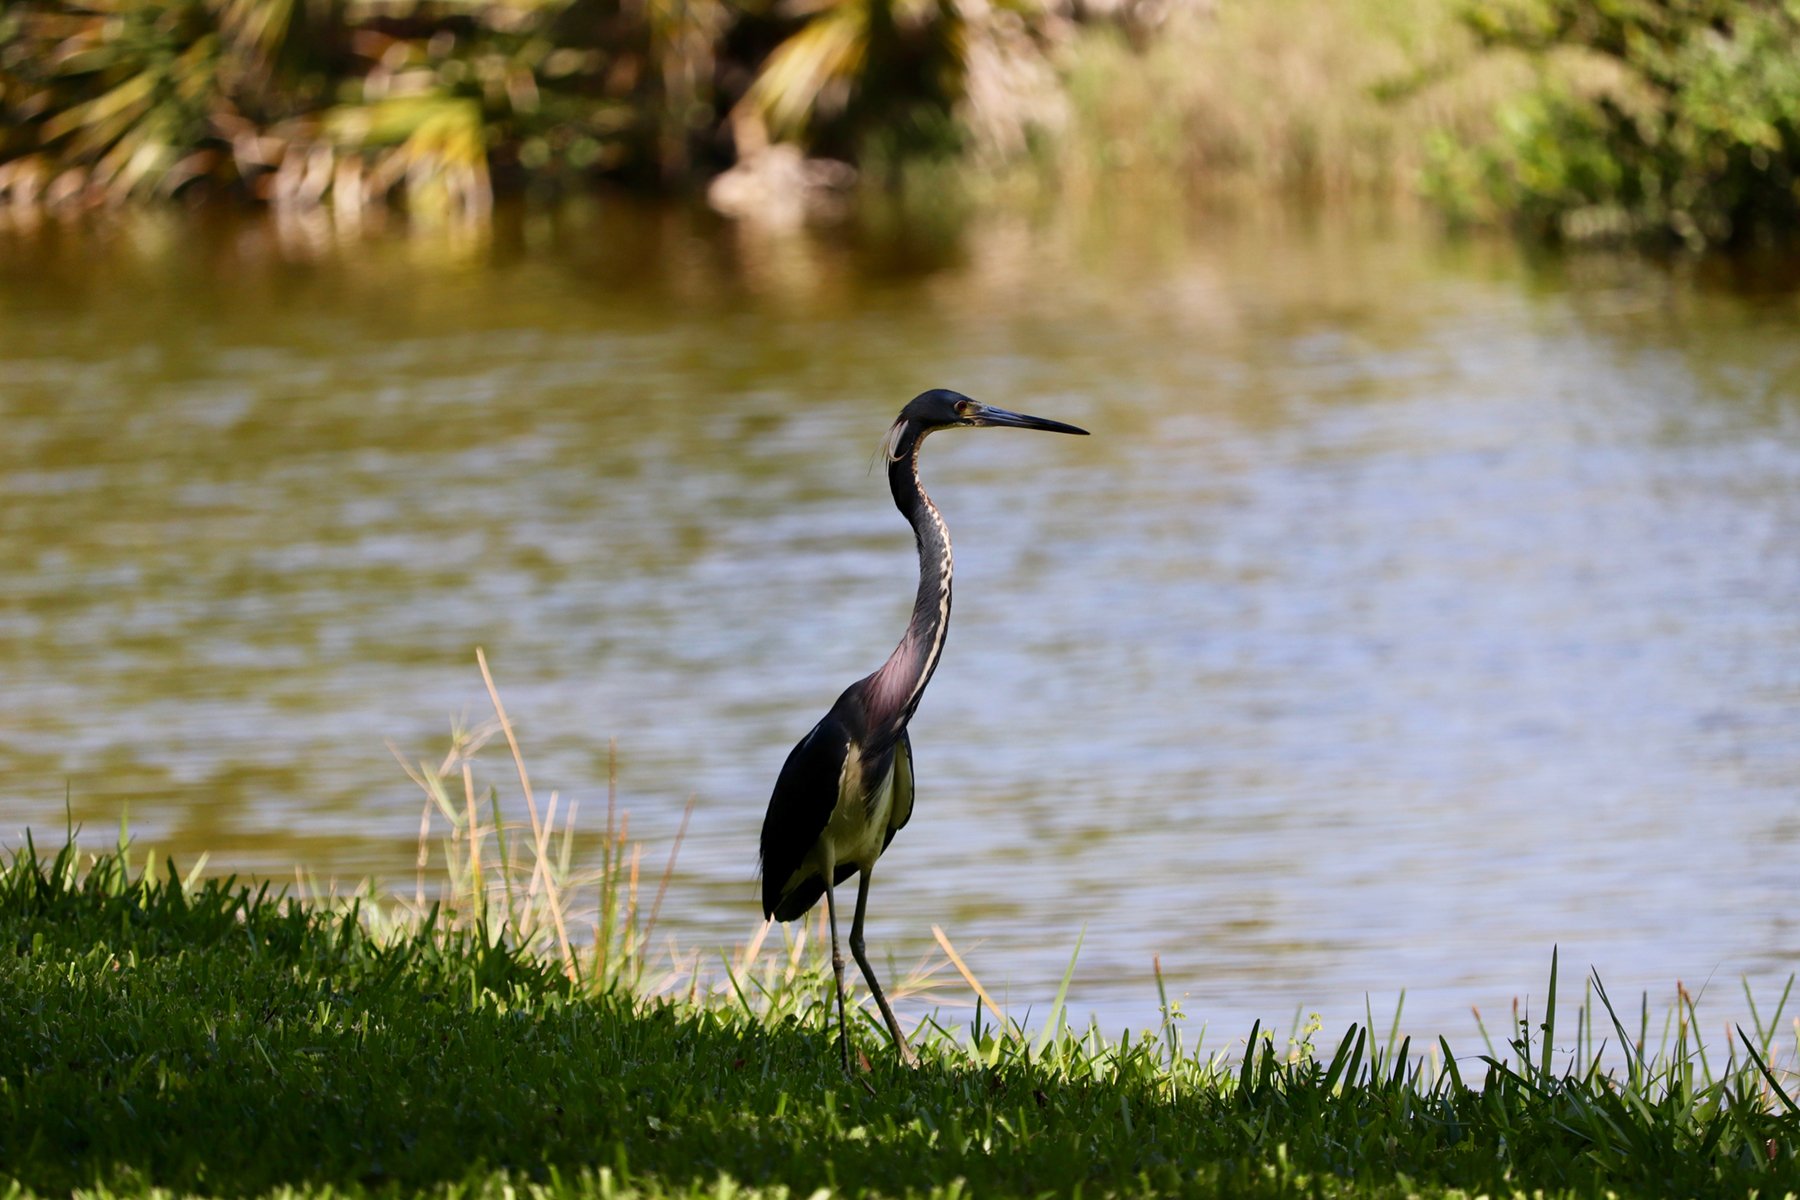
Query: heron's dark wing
x=805, y=793
x=903, y=788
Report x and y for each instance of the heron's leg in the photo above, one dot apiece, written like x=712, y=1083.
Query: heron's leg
x=837, y=967
x=862, y=960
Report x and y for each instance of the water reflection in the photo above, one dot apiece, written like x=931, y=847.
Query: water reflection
x=1418, y=607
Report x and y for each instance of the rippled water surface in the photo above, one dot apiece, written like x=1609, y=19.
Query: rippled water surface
x=1415, y=607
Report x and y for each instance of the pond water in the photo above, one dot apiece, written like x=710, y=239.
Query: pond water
x=1417, y=605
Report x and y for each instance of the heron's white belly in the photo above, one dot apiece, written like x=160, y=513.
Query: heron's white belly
x=857, y=830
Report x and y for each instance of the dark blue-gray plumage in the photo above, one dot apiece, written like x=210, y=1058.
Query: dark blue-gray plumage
x=847, y=788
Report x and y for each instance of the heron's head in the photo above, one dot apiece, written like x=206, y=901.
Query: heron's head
x=942, y=408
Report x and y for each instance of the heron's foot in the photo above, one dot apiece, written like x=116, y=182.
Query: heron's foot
x=908, y=1059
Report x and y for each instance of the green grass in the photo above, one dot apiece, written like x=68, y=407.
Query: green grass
x=207, y=1037
x=160, y=1031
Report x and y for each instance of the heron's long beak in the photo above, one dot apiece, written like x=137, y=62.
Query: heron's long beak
x=1012, y=420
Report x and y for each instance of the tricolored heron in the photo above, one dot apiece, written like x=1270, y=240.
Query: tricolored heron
x=847, y=788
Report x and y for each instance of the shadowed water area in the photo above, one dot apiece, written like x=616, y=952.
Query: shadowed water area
x=1417, y=606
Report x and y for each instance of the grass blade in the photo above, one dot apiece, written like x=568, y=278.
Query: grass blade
x=1767, y=1074
x=1545, y=1064
x=1053, y=1025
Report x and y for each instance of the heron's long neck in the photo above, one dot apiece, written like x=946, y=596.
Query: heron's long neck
x=897, y=686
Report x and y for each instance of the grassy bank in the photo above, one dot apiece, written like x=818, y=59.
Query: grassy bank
x=212, y=1038
x=1285, y=97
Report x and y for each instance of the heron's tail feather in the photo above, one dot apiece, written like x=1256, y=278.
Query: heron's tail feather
x=796, y=903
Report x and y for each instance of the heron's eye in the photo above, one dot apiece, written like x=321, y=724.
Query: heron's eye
x=964, y=407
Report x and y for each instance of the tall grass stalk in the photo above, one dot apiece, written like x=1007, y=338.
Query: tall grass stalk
x=525, y=892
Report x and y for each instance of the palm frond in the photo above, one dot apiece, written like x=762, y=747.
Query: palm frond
x=831, y=48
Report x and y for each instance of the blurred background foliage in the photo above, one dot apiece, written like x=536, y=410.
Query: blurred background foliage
x=350, y=102
x=1676, y=120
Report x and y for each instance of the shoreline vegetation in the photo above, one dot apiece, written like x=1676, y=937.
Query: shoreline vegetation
x=491, y=1036
x=1662, y=121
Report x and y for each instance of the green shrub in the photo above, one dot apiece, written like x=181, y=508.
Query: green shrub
x=1670, y=119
